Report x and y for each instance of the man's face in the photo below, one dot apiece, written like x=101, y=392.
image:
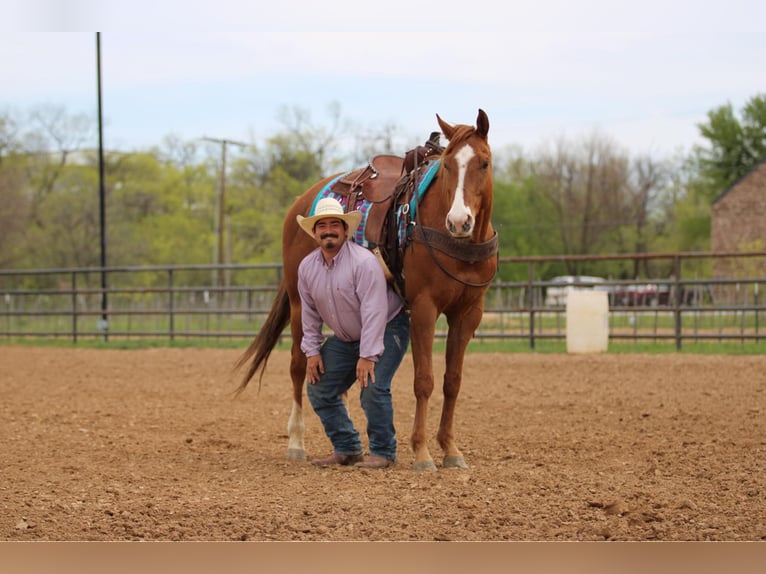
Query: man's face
x=330, y=233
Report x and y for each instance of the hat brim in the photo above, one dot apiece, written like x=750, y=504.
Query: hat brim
x=352, y=220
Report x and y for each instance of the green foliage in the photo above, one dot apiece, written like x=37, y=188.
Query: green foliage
x=157, y=214
x=262, y=188
x=162, y=205
x=735, y=144
x=15, y=210
x=579, y=197
x=65, y=221
x=525, y=224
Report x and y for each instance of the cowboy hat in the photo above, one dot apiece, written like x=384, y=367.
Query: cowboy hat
x=330, y=208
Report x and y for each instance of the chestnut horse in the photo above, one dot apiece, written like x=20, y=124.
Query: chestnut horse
x=449, y=262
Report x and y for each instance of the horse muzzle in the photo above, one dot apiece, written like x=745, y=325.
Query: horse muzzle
x=460, y=227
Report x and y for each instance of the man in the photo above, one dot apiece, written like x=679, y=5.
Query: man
x=341, y=284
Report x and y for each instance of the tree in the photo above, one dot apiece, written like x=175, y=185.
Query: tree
x=53, y=140
x=687, y=218
x=157, y=214
x=307, y=138
x=581, y=198
x=66, y=228
x=8, y=136
x=584, y=184
x=14, y=205
x=523, y=217
x=374, y=141
x=14, y=212
x=645, y=214
x=736, y=144
x=262, y=185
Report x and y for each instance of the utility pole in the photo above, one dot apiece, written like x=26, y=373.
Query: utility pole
x=222, y=206
x=104, y=323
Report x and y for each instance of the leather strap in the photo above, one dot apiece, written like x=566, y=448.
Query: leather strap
x=462, y=250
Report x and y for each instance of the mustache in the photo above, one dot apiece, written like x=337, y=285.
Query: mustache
x=329, y=235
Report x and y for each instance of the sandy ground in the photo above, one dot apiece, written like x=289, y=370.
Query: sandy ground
x=150, y=445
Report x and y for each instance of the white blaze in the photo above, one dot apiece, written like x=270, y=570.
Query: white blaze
x=459, y=213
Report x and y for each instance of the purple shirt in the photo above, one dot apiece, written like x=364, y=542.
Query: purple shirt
x=350, y=295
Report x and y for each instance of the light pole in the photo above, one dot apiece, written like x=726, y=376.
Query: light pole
x=104, y=324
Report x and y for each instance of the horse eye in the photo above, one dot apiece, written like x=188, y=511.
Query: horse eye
x=485, y=164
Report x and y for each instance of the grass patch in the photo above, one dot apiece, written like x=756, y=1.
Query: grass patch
x=544, y=346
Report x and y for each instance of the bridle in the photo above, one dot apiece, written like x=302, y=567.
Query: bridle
x=461, y=250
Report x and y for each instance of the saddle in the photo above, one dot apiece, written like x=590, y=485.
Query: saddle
x=382, y=189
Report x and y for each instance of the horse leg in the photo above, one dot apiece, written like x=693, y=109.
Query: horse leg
x=296, y=450
x=421, y=339
x=459, y=334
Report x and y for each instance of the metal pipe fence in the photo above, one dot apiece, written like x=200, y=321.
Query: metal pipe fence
x=186, y=302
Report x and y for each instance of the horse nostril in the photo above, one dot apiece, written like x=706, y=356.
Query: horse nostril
x=463, y=225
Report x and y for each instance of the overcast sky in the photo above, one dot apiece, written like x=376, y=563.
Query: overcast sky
x=643, y=73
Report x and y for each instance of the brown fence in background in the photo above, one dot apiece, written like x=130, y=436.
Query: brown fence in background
x=689, y=304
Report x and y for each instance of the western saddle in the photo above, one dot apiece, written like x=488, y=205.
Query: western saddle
x=388, y=183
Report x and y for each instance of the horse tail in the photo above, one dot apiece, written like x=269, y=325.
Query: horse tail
x=266, y=339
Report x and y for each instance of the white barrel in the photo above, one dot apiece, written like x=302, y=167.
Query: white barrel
x=587, y=321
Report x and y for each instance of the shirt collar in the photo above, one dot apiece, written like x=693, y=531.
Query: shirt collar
x=338, y=256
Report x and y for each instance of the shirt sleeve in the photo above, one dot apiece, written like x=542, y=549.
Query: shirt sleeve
x=372, y=289
x=310, y=319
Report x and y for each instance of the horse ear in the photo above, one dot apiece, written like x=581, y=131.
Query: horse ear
x=482, y=123
x=447, y=129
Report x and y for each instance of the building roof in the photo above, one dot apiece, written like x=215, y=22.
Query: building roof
x=755, y=168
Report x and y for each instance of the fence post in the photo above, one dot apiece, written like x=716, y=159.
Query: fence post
x=531, y=299
x=756, y=303
x=74, y=307
x=171, y=324
x=677, y=301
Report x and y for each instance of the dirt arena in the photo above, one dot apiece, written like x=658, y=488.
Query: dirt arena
x=150, y=445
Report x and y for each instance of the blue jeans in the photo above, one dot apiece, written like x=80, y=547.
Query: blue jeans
x=340, y=358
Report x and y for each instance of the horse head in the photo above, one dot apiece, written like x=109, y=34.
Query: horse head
x=466, y=174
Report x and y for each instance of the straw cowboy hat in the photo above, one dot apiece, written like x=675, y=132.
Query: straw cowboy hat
x=330, y=208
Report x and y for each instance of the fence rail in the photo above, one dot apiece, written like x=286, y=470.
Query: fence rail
x=187, y=301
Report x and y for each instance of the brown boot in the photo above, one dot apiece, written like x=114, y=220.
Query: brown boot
x=374, y=461
x=336, y=458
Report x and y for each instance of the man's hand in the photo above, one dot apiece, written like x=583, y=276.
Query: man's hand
x=314, y=368
x=365, y=371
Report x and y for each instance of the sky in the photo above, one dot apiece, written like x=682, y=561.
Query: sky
x=644, y=74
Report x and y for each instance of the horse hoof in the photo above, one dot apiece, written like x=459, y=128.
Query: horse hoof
x=296, y=455
x=423, y=465
x=454, y=461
